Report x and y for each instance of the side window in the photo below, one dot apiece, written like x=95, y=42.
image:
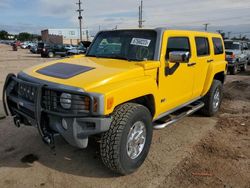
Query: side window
x=218, y=47
x=202, y=46
x=178, y=44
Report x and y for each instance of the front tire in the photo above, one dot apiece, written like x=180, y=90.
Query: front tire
x=213, y=99
x=125, y=146
x=233, y=70
x=51, y=54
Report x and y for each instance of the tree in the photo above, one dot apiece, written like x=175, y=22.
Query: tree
x=24, y=36
x=4, y=35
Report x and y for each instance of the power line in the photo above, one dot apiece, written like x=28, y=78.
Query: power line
x=80, y=10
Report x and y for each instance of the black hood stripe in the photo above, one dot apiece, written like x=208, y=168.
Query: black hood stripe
x=63, y=70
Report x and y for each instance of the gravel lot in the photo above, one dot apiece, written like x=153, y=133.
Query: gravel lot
x=196, y=152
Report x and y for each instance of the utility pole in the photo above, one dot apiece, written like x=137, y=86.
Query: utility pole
x=140, y=21
x=80, y=10
x=219, y=31
x=206, y=26
x=87, y=34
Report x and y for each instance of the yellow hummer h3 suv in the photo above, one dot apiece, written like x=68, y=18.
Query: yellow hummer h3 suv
x=128, y=83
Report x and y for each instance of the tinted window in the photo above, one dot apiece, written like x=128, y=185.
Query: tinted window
x=135, y=45
x=178, y=44
x=230, y=45
x=218, y=47
x=202, y=46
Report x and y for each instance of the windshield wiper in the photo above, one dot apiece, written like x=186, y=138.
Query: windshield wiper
x=114, y=57
x=125, y=58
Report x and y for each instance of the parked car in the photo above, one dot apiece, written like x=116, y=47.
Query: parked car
x=246, y=46
x=54, y=50
x=27, y=45
x=33, y=49
x=17, y=43
x=156, y=78
x=79, y=50
x=69, y=47
x=236, y=56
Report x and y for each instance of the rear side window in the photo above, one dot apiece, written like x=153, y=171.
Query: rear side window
x=218, y=46
x=202, y=46
x=178, y=44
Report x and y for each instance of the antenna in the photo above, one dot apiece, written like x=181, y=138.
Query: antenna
x=80, y=10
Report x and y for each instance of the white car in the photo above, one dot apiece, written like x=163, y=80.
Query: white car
x=236, y=56
x=28, y=45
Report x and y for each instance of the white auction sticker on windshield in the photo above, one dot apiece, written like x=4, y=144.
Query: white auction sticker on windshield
x=140, y=42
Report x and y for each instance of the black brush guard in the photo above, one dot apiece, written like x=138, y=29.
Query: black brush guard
x=39, y=112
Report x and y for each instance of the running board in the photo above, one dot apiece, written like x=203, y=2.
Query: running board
x=172, y=118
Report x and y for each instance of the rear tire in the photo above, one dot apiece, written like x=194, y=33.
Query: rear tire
x=125, y=146
x=213, y=99
x=244, y=67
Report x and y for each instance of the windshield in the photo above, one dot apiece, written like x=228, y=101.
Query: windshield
x=232, y=46
x=135, y=45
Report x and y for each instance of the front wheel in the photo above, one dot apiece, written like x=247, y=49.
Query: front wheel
x=125, y=146
x=51, y=54
x=213, y=99
x=233, y=70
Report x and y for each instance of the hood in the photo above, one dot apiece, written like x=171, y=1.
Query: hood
x=236, y=52
x=86, y=72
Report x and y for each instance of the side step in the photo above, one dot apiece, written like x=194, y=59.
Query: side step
x=178, y=115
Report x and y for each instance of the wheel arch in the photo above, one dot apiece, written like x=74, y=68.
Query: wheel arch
x=148, y=101
x=220, y=76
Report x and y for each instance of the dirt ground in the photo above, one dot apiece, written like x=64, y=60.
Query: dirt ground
x=195, y=152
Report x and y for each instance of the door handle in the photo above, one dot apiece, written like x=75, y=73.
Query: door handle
x=191, y=64
x=210, y=60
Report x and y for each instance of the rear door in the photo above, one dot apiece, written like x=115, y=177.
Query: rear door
x=203, y=59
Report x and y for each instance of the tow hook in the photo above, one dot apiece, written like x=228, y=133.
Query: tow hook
x=17, y=121
x=49, y=140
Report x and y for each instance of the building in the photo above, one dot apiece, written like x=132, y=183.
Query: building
x=64, y=36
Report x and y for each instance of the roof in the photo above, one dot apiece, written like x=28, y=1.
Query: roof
x=163, y=29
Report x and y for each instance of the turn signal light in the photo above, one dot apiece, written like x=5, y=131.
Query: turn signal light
x=110, y=103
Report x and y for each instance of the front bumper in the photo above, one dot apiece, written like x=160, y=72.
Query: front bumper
x=74, y=128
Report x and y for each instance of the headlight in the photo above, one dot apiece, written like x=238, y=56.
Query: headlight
x=66, y=100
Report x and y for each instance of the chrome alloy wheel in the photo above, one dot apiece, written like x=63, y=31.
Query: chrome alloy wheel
x=216, y=100
x=136, y=139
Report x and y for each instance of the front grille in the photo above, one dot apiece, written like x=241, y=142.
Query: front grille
x=52, y=101
x=27, y=92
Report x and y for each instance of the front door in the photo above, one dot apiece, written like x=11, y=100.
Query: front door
x=176, y=82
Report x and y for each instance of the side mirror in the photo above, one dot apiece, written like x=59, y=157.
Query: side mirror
x=179, y=56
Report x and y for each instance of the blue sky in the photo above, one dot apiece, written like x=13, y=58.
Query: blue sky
x=34, y=15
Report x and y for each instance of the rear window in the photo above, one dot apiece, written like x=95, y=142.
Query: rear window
x=178, y=44
x=218, y=46
x=202, y=46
